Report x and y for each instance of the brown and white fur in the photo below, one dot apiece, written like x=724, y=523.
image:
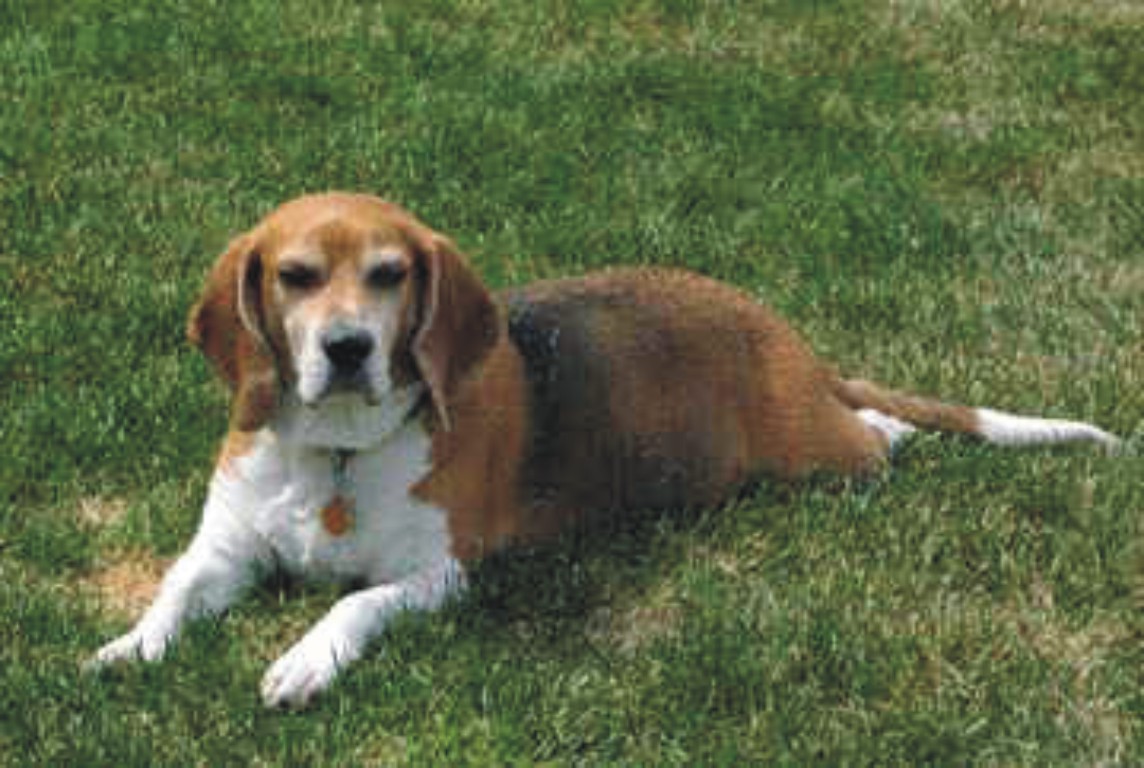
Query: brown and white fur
x=392, y=421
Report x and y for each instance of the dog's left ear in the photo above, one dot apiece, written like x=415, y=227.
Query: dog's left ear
x=458, y=324
x=227, y=325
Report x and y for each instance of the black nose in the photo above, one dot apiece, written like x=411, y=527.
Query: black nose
x=346, y=348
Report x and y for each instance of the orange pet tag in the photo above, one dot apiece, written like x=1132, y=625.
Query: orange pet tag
x=338, y=515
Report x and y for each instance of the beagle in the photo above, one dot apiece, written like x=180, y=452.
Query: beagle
x=392, y=421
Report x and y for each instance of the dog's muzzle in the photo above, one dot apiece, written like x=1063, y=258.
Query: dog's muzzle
x=347, y=349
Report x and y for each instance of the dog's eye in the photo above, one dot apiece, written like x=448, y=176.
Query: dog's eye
x=387, y=274
x=299, y=276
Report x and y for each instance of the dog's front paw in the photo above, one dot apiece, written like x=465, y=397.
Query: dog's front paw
x=308, y=668
x=134, y=646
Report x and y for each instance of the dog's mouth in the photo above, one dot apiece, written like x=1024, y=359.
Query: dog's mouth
x=351, y=417
x=320, y=382
x=344, y=385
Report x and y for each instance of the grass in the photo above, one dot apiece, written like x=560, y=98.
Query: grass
x=947, y=197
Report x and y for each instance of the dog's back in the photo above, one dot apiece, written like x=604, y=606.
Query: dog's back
x=653, y=389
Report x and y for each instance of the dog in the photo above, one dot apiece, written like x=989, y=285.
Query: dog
x=392, y=421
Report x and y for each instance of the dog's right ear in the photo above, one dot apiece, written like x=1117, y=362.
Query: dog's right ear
x=228, y=326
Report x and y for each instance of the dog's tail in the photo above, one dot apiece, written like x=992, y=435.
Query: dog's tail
x=992, y=426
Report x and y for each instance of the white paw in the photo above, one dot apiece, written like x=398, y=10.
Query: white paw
x=308, y=668
x=134, y=646
x=894, y=430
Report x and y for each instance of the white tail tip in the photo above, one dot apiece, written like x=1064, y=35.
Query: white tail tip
x=1008, y=429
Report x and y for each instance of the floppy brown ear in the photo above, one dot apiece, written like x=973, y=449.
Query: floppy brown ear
x=459, y=323
x=227, y=325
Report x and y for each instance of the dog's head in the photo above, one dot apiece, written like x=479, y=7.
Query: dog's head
x=341, y=297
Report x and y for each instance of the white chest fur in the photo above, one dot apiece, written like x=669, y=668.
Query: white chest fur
x=278, y=492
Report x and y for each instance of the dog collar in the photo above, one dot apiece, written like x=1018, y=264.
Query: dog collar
x=338, y=514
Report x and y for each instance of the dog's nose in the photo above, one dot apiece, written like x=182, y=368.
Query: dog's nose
x=347, y=348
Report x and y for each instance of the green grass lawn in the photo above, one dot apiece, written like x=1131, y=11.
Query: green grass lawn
x=945, y=196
